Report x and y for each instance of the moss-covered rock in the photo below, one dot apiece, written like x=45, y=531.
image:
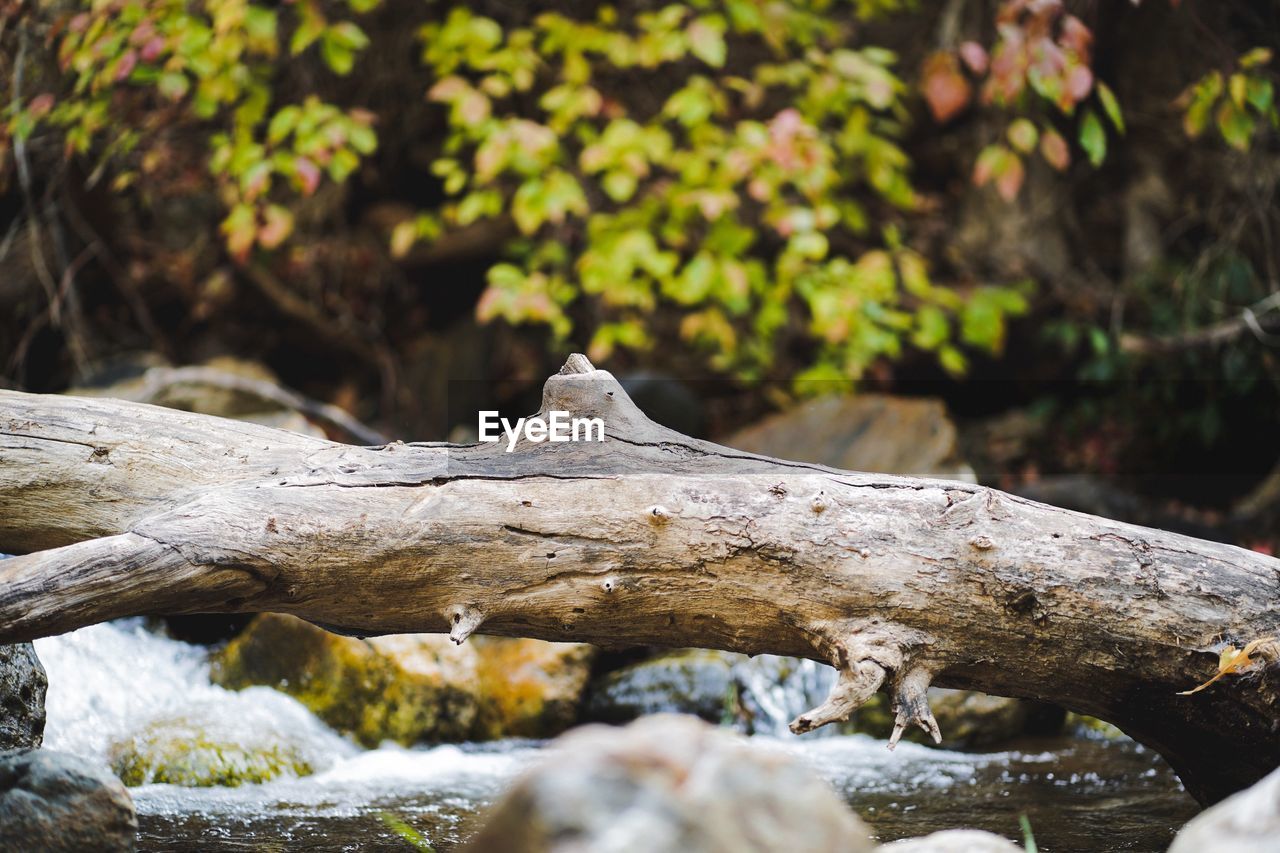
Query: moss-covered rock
x=176, y=751
x=404, y=688
x=412, y=687
x=529, y=688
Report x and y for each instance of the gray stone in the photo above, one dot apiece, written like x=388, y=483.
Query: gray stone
x=22, y=690
x=953, y=841
x=1247, y=822
x=867, y=432
x=669, y=783
x=689, y=681
x=59, y=803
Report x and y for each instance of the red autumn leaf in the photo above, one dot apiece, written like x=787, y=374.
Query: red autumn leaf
x=945, y=89
x=126, y=65
x=308, y=175
x=152, y=50
x=1079, y=83
x=276, y=225
x=1076, y=37
x=40, y=105
x=975, y=57
x=1054, y=150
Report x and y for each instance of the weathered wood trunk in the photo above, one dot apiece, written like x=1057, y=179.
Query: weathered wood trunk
x=648, y=537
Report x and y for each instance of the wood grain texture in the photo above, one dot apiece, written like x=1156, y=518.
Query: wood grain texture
x=649, y=537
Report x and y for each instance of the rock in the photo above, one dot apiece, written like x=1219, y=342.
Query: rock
x=263, y=737
x=967, y=719
x=412, y=687
x=59, y=803
x=669, y=783
x=529, y=688
x=404, y=688
x=953, y=841
x=867, y=432
x=1247, y=822
x=689, y=681
x=757, y=695
x=22, y=688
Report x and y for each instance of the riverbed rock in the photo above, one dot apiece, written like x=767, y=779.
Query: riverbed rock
x=1247, y=822
x=264, y=739
x=528, y=688
x=953, y=841
x=404, y=688
x=669, y=783
x=58, y=803
x=866, y=432
x=967, y=719
x=411, y=687
x=686, y=681
x=22, y=690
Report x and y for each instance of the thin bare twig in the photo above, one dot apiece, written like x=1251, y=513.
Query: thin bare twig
x=1249, y=320
x=159, y=379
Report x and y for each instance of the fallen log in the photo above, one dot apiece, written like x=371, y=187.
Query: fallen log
x=648, y=537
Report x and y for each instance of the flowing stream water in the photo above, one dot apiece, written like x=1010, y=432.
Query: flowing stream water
x=107, y=682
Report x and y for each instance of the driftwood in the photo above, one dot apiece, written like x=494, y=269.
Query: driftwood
x=649, y=537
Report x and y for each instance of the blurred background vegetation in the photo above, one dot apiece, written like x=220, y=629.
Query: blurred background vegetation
x=1059, y=217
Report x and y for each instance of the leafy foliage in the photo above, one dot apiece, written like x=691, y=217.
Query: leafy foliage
x=209, y=62
x=742, y=197
x=1238, y=105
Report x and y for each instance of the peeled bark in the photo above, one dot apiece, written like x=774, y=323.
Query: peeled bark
x=649, y=537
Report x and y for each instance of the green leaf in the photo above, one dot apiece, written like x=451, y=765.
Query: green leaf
x=337, y=56
x=363, y=138
x=706, y=41
x=344, y=162
x=310, y=28
x=1235, y=125
x=931, y=328
x=1111, y=106
x=528, y=208
x=283, y=123
x=811, y=245
x=1023, y=135
x=173, y=85
x=1257, y=56
x=1093, y=139
x=1260, y=94
x=619, y=185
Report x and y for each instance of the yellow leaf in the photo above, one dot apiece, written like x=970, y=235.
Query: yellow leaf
x=1232, y=662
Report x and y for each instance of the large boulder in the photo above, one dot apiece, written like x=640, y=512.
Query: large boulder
x=59, y=803
x=669, y=783
x=404, y=688
x=411, y=687
x=528, y=688
x=22, y=689
x=1247, y=822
